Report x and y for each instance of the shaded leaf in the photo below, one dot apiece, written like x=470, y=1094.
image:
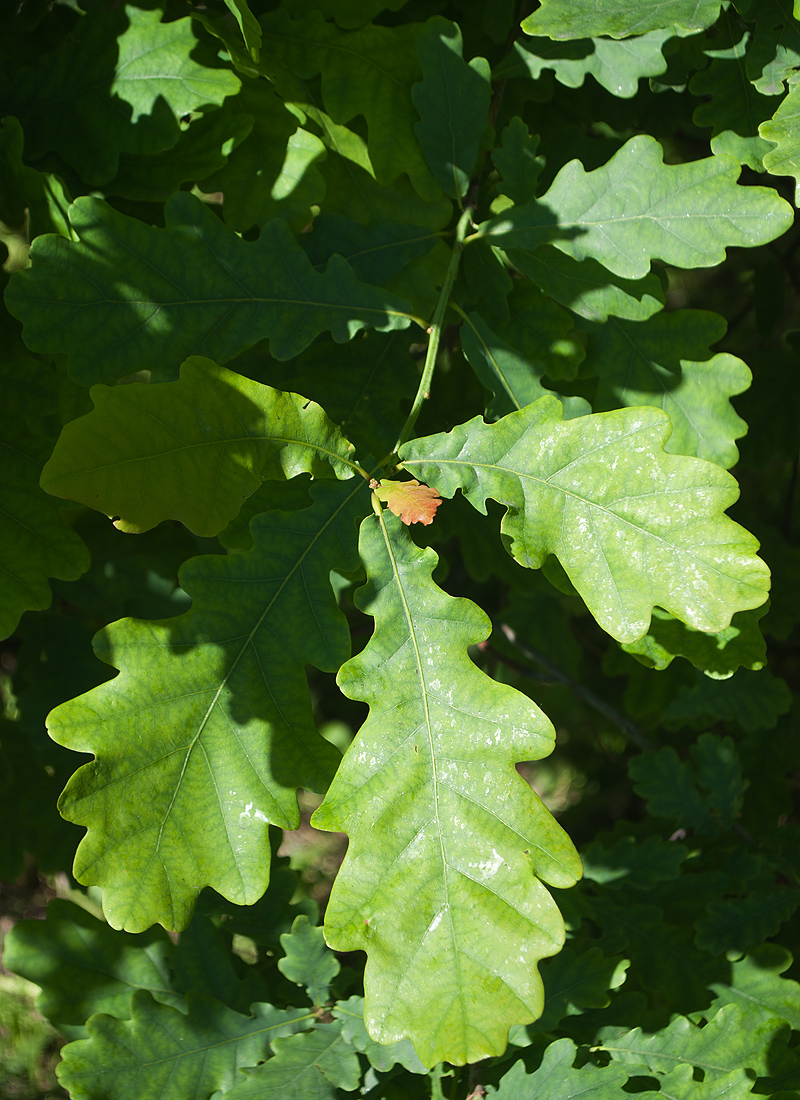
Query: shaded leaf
x=668, y=786
x=738, y=924
x=561, y=19
x=588, y=288
x=273, y=173
x=731, y=106
x=774, y=53
x=376, y=254
x=307, y=1066
x=191, y=450
x=631, y=865
x=682, y=1084
x=556, y=1079
x=720, y=1047
x=205, y=735
x=634, y=209
x=84, y=967
x=160, y=1049
x=248, y=25
x=43, y=194
x=505, y=370
x=434, y=873
x=202, y=148
x=368, y=71
x=412, y=502
x=616, y=65
x=753, y=700
x=383, y=1056
x=307, y=960
x=666, y=361
x=453, y=102
x=515, y=159
x=35, y=542
x=717, y=655
x=575, y=982
x=118, y=82
x=197, y=282
x=632, y=526
x=757, y=987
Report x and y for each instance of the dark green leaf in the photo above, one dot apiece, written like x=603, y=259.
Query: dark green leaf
x=308, y=1066
x=452, y=101
x=195, y=281
x=308, y=961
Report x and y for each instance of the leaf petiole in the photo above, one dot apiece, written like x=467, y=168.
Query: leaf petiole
x=435, y=330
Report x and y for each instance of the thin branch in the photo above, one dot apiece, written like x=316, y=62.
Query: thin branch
x=557, y=676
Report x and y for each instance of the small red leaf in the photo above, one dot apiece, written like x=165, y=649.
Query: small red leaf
x=412, y=502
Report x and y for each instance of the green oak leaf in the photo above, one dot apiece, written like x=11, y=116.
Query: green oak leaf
x=119, y=82
x=783, y=129
x=161, y=1050
x=202, y=148
x=453, y=102
x=719, y=1048
x=731, y=106
x=307, y=960
x=564, y=20
x=682, y=1083
x=310, y=1065
x=515, y=378
x=191, y=450
x=515, y=158
x=753, y=700
x=774, y=53
x=206, y=733
x=668, y=786
x=740, y=645
x=195, y=282
x=738, y=924
x=348, y=14
x=634, y=209
x=448, y=845
x=368, y=71
x=376, y=254
x=666, y=362
x=633, y=526
x=84, y=967
x=383, y=1056
x=248, y=25
x=588, y=288
x=35, y=542
x=756, y=986
x=617, y=66
x=43, y=194
x=629, y=865
x=556, y=1079
x=576, y=982
x=365, y=387
x=274, y=172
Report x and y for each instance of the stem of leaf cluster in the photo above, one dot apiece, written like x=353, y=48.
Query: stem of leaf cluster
x=424, y=388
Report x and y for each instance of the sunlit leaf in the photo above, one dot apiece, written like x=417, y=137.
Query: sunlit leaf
x=562, y=19
x=448, y=845
x=632, y=526
x=205, y=735
x=633, y=209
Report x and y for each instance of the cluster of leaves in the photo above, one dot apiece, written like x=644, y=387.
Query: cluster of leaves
x=282, y=279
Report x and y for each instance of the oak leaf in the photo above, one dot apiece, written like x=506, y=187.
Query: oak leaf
x=408, y=500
